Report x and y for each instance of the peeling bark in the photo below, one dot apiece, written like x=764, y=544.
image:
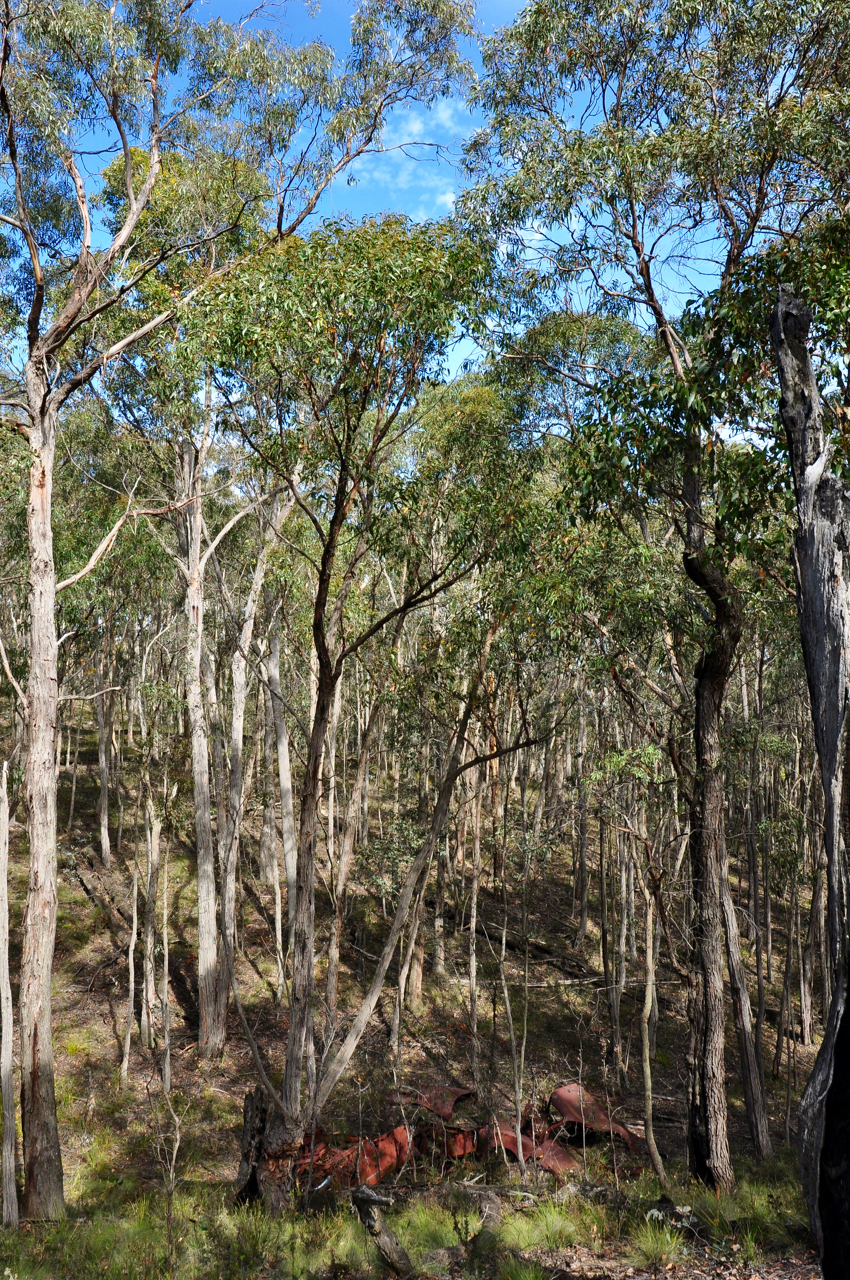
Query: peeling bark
x=821, y=556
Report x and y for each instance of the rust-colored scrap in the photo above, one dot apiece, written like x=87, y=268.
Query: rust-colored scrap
x=367, y=1161
x=442, y=1101
x=555, y=1158
x=578, y=1107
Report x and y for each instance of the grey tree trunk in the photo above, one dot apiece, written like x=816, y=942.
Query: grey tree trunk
x=235, y=796
x=581, y=763
x=473, y=926
x=208, y=1044
x=7, y=1087
x=271, y=837
x=331, y=758
x=103, y=765
x=153, y=834
x=164, y=1005
x=131, y=979
x=820, y=555
x=438, y=967
x=646, y=1064
x=268, y=836
x=287, y=808
x=807, y=967
x=404, y=971
x=752, y=1069
x=346, y=858
x=43, y=1181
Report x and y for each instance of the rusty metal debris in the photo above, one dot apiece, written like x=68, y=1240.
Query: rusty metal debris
x=579, y=1108
x=441, y=1101
x=367, y=1161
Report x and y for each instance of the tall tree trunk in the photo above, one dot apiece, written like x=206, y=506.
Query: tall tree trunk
x=438, y=969
x=581, y=769
x=300, y=1005
x=153, y=833
x=473, y=927
x=236, y=789
x=43, y=1190
x=342, y=1057
x=193, y=463
x=615, y=1052
x=331, y=758
x=348, y=835
x=131, y=979
x=752, y=1069
x=786, y=1007
x=268, y=836
x=164, y=1004
x=620, y=980
x=271, y=837
x=7, y=1086
x=646, y=1064
x=540, y=802
x=404, y=971
x=74, y=772
x=823, y=602
x=102, y=763
x=287, y=808
x=807, y=967
x=708, y=1139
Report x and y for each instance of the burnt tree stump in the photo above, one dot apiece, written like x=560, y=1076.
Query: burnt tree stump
x=266, y=1157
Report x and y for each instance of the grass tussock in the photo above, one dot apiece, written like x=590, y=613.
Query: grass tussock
x=656, y=1243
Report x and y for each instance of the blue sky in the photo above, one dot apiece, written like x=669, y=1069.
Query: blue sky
x=413, y=180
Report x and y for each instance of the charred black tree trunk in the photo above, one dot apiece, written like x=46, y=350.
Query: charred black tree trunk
x=821, y=552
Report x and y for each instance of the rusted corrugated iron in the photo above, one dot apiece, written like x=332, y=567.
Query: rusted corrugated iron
x=578, y=1107
x=347, y=1161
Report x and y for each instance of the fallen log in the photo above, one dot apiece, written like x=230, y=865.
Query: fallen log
x=368, y=1204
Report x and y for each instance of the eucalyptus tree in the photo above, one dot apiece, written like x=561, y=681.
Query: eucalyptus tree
x=79, y=82
x=339, y=333
x=808, y=332
x=627, y=141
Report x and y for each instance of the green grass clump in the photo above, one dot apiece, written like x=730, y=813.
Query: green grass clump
x=518, y=1269
x=239, y=1242
x=549, y=1225
x=655, y=1243
x=765, y=1213
x=424, y=1227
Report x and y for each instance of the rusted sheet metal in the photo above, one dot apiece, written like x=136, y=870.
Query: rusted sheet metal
x=367, y=1161
x=552, y=1156
x=580, y=1108
x=503, y=1135
x=460, y=1143
x=442, y=1101
x=437, y=1140
x=348, y=1161
x=384, y=1156
x=555, y=1158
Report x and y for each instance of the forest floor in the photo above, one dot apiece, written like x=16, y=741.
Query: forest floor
x=612, y=1221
